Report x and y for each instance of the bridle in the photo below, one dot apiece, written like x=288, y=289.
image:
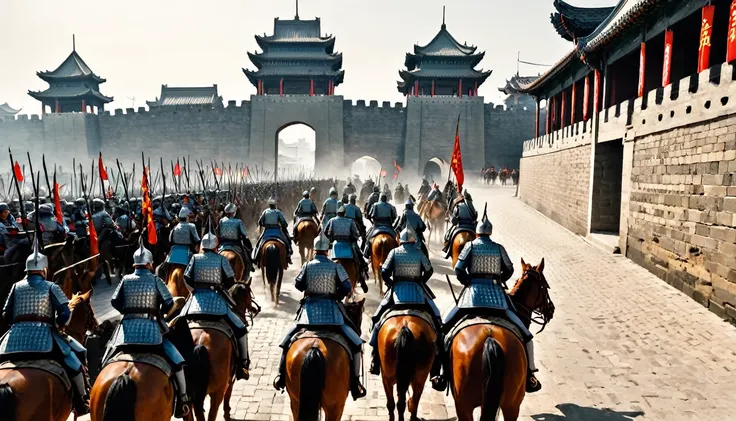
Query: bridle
x=90, y=322
x=545, y=311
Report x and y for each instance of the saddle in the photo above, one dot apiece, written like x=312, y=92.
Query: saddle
x=50, y=366
x=478, y=319
x=455, y=231
x=324, y=334
x=237, y=249
x=414, y=312
x=217, y=325
x=149, y=358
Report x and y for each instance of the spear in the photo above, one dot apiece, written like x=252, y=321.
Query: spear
x=173, y=177
x=186, y=167
x=30, y=165
x=24, y=218
x=74, y=176
x=163, y=181
x=125, y=184
x=46, y=175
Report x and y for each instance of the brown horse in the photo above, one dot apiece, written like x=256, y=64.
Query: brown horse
x=273, y=264
x=407, y=351
x=488, y=362
x=381, y=245
x=458, y=243
x=238, y=265
x=353, y=273
x=307, y=230
x=175, y=281
x=29, y=394
x=82, y=319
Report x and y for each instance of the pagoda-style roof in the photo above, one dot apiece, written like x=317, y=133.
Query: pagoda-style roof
x=7, y=111
x=296, y=31
x=515, y=84
x=296, y=71
x=281, y=57
x=443, y=47
x=573, y=22
x=195, y=96
x=71, y=68
x=70, y=92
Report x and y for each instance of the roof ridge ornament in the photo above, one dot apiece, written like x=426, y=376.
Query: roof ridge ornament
x=296, y=17
x=443, y=17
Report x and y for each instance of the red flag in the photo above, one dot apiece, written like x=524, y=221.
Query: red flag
x=396, y=175
x=103, y=173
x=18, y=172
x=245, y=171
x=706, y=31
x=456, y=163
x=642, y=67
x=146, y=209
x=731, y=42
x=93, y=247
x=218, y=171
x=177, y=169
x=398, y=168
x=383, y=172
x=57, y=204
x=667, y=61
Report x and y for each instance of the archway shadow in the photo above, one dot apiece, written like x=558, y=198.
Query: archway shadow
x=576, y=412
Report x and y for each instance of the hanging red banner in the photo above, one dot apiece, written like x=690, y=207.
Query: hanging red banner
x=586, y=95
x=706, y=31
x=667, y=61
x=17, y=172
x=731, y=43
x=642, y=67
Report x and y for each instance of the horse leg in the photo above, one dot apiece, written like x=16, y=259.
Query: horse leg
x=417, y=388
x=463, y=409
x=278, y=286
x=510, y=414
x=226, y=401
x=216, y=399
x=388, y=389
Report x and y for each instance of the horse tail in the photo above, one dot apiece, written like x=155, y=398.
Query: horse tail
x=493, y=368
x=7, y=401
x=273, y=262
x=311, y=385
x=199, y=369
x=406, y=358
x=120, y=400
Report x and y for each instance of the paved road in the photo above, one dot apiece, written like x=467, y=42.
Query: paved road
x=623, y=344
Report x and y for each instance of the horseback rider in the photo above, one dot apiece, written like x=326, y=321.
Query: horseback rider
x=161, y=216
x=413, y=220
x=324, y=283
x=483, y=267
x=464, y=217
x=435, y=193
x=353, y=212
x=329, y=207
x=79, y=217
x=210, y=276
x=183, y=239
x=424, y=189
x=232, y=234
x=406, y=272
x=382, y=215
x=349, y=188
x=343, y=233
x=34, y=309
x=399, y=193
x=305, y=209
x=372, y=199
x=52, y=230
x=142, y=299
x=123, y=220
x=387, y=192
x=8, y=229
x=274, y=225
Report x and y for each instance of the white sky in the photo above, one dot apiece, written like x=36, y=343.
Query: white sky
x=137, y=45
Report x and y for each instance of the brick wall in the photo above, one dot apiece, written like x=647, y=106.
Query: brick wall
x=374, y=131
x=505, y=133
x=682, y=212
x=556, y=184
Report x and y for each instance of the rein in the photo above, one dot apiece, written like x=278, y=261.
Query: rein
x=542, y=314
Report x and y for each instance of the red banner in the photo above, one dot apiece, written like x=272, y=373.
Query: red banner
x=642, y=67
x=93, y=245
x=177, y=169
x=396, y=176
x=586, y=96
x=103, y=173
x=731, y=42
x=147, y=210
x=667, y=62
x=398, y=168
x=456, y=163
x=383, y=172
x=706, y=32
x=218, y=171
x=18, y=172
x=57, y=204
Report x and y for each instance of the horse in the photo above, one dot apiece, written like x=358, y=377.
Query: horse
x=488, y=362
x=237, y=263
x=273, y=264
x=353, y=273
x=381, y=245
x=458, y=243
x=406, y=345
x=307, y=230
x=175, y=281
x=82, y=319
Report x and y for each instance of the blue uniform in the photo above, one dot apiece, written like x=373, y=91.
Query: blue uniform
x=183, y=238
x=274, y=226
x=329, y=210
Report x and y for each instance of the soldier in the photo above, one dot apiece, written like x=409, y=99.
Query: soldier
x=483, y=267
x=353, y=211
x=183, y=239
x=383, y=215
x=79, y=217
x=343, y=231
x=100, y=218
x=424, y=189
x=324, y=283
x=274, y=225
x=186, y=202
x=409, y=218
x=329, y=207
x=434, y=194
x=143, y=299
x=210, y=276
x=6, y=218
x=349, y=188
x=464, y=217
x=399, y=193
x=231, y=233
x=161, y=216
x=372, y=200
x=387, y=192
x=34, y=309
x=406, y=272
x=53, y=231
x=304, y=209
x=123, y=220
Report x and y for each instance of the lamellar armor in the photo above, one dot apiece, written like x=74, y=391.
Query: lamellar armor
x=184, y=233
x=342, y=229
x=486, y=258
x=139, y=297
x=205, y=273
x=408, y=262
x=272, y=218
x=321, y=279
x=231, y=229
x=102, y=220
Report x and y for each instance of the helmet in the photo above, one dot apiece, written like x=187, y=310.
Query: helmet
x=383, y=197
x=321, y=243
x=157, y=199
x=209, y=240
x=36, y=261
x=353, y=197
x=410, y=204
x=98, y=205
x=484, y=225
x=376, y=189
x=46, y=209
x=408, y=235
x=184, y=213
x=305, y=194
x=230, y=208
x=124, y=206
x=271, y=202
x=4, y=207
x=333, y=191
x=80, y=202
x=142, y=256
x=341, y=210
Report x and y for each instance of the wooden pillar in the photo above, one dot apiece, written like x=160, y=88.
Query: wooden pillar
x=460, y=88
x=475, y=89
x=572, y=103
x=562, y=109
x=281, y=87
x=596, y=92
x=642, y=68
x=84, y=105
x=58, y=107
x=432, y=87
x=586, y=97
x=331, y=87
x=416, y=88
x=548, y=117
x=43, y=108
x=536, y=121
x=311, y=87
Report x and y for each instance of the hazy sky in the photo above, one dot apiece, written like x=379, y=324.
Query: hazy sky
x=137, y=45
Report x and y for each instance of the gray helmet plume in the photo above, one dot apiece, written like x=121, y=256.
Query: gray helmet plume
x=209, y=240
x=36, y=261
x=484, y=225
x=321, y=243
x=142, y=256
x=408, y=235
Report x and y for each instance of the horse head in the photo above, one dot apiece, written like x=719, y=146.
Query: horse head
x=82, y=319
x=245, y=299
x=531, y=295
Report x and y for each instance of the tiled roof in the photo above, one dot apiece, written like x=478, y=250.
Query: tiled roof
x=573, y=22
x=206, y=95
x=72, y=67
x=447, y=73
x=7, y=110
x=444, y=44
x=626, y=13
x=69, y=92
x=515, y=83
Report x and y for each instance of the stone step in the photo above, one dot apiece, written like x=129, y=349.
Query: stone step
x=606, y=241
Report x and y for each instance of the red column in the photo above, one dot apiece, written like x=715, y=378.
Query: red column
x=706, y=31
x=416, y=88
x=596, y=91
x=475, y=89
x=642, y=67
x=281, y=87
x=58, y=107
x=84, y=106
x=536, y=122
x=460, y=88
x=667, y=61
x=331, y=87
x=562, y=109
x=586, y=97
x=311, y=87
x=433, y=82
x=572, y=104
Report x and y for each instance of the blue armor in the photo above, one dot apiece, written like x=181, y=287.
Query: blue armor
x=160, y=217
x=372, y=200
x=231, y=230
x=435, y=194
x=275, y=225
x=306, y=209
x=413, y=220
x=353, y=212
x=33, y=307
x=344, y=234
x=125, y=222
x=464, y=218
x=102, y=220
x=183, y=237
x=329, y=210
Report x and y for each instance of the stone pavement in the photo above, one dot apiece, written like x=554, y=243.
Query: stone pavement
x=623, y=345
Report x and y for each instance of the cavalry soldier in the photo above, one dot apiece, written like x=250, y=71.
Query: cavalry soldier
x=387, y=192
x=8, y=229
x=161, y=216
x=186, y=202
x=464, y=217
x=100, y=217
x=435, y=193
x=183, y=239
x=324, y=283
x=349, y=188
x=52, y=229
x=304, y=209
x=372, y=200
x=399, y=193
x=483, y=267
x=424, y=189
x=210, y=276
x=34, y=309
x=142, y=299
x=409, y=218
x=232, y=234
x=344, y=235
x=353, y=212
x=274, y=225
x=329, y=207
x=79, y=217
x=406, y=272
x=382, y=215
x=6, y=218
x=123, y=220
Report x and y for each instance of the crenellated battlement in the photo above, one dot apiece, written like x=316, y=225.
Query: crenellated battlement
x=21, y=119
x=372, y=104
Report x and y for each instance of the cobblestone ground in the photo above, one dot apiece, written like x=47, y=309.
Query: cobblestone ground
x=623, y=345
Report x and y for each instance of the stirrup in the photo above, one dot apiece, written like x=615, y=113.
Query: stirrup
x=532, y=383
x=357, y=390
x=183, y=407
x=439, y=383
x=279, y=383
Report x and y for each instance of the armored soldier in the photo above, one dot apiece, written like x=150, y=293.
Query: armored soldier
x=52, y=230
x=161, y=216
x=387, y=192
x=183, y=239
x=6, y=218
x=372, y=200
x=324, y=283
x=79, y=217
x=349, y=188
x=34, y=309
x=399, y=193
x=210, y=276
x=434, y=194
x=406, y=272
x=142, y=299
x=409, y=218
x=304, y=209
x=353, y=212
x=464, y=217
x=274, y=226
x=8, y=229
x=383, y=215
x=329, y=207
x=483, y=267
x=100, y=217
x=186, y=202
x=232, y=235
x=344, y=234
x=424, y=189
